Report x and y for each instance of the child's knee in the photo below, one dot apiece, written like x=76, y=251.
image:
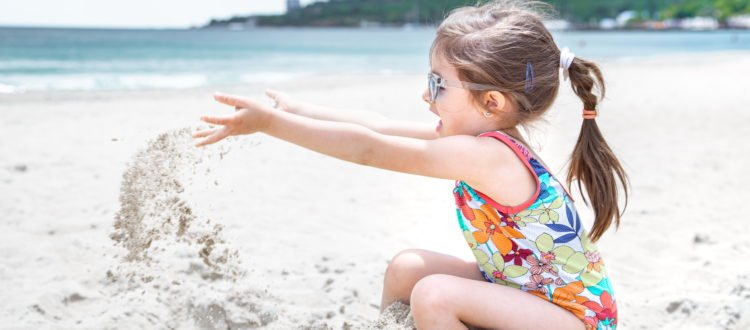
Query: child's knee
x=405, y=268
x=430, y=295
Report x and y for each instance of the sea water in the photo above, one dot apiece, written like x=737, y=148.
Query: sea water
x=40, y=59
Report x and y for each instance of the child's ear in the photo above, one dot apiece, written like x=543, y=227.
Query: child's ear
x=494, y=101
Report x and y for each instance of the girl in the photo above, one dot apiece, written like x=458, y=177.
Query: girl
x=494, y=67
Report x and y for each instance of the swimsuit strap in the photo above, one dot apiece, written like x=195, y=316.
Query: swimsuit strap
x=524, y=154
x=518, y=148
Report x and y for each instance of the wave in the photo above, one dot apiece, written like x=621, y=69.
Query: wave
x=19, y=83
x=272, y=77
x=179, y=81
x=9, y=89
x=88, y=82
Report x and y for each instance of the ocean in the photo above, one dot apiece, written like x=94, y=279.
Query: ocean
x=41, y=59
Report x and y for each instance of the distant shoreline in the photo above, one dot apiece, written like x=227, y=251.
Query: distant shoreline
x=291, y=27
x=41, y=59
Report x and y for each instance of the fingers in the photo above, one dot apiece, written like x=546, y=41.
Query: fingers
x=213, y=137
x=203, y=133
x=202, y=143
x=270, y=93
x=276, y=95
x=273, y=94
x=235, y=101
x=217, y=120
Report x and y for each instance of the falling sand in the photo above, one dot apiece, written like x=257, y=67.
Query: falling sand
x=174, y=257
x=178, y=271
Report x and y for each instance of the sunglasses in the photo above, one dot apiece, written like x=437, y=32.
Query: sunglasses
x=435, y=83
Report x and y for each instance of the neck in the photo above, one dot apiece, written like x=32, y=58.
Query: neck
x=513, y=132
x=516, y=134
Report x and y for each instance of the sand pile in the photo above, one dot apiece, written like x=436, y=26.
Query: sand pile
x=396, y=316
x=178, y=270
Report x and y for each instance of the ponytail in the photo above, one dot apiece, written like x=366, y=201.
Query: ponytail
x=592, y=162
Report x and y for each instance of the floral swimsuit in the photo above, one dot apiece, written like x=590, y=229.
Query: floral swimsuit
x=539, y=246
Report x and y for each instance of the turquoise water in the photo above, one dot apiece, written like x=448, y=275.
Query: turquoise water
x=98, y=59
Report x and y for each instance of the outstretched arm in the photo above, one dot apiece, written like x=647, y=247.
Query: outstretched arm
x=354, y=143
x=371, y=120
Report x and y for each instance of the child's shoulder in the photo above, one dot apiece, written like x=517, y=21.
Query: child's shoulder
x=508, y=177
x=505, y=146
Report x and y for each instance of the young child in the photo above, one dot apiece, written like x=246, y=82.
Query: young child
x=494, y=67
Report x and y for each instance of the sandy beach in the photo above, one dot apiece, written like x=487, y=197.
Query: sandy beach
x=111, y=219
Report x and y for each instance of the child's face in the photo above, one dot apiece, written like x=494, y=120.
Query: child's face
x=458, y=114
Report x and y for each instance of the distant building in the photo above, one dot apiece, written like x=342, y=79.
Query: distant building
x=741, y=22
x=557, y=24
x=699, y=23
x=607, y=24
x=655, y=25
x=292, y=5
x=620, y=22
x=363, y=23
x=624, y=17
x=249, y=23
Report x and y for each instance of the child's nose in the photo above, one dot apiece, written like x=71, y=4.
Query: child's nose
x=426, y=95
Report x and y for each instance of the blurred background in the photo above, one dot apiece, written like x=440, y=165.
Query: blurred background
x=109, y=45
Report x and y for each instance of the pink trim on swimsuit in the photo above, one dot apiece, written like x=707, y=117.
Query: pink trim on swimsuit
x=525, y=158
x=516, y=146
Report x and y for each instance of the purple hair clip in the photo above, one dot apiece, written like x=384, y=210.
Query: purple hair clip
x=529, y=77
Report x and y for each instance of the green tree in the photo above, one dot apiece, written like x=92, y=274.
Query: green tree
x=726, y=8
x=352, y=12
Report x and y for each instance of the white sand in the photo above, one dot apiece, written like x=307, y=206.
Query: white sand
x=257, y=232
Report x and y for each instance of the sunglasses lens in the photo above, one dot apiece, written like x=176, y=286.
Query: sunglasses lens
x=433, y=87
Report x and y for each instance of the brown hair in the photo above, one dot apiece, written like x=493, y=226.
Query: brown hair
x=495, y=44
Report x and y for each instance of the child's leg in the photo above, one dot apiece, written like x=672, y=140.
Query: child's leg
x=450, y=302
x=409, y=266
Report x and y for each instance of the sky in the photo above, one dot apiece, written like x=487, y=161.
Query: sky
x=130, y=13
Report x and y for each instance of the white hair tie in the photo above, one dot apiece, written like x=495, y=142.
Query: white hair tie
x=566, y=59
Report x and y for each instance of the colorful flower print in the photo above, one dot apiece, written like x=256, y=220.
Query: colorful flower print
x=489, y=229
x=595, y=261
x=525, y=216
x=494, y=267
x=517, y=255
x=568, y=297
x=575, y=262
x=542, y=249
x=606, y=313
x=548, y=212
x=543, y=264
x=538, y=283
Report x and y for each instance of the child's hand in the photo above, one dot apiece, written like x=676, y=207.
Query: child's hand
x=249, y=117
x=283, y=101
